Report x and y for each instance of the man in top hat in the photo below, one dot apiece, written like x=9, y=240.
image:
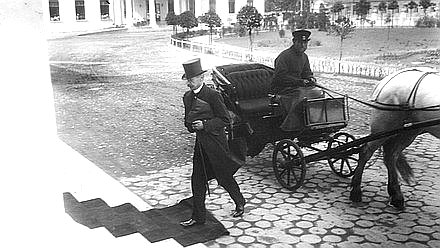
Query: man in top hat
x=293, y=80
x=207, y=116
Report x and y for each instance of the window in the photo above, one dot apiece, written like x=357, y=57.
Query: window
x=54, y=10
x=170, y=6
x=192, y=6
x=80, y=10
x=250, y=2
x=231, y=6
x=105, y=13
x=212, y=5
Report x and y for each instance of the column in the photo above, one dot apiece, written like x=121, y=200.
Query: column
x=177, y=9
x=129, y=12
x=117, y=12
x=198, y=8
x=152, y=13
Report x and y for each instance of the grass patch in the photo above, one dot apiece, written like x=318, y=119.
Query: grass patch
x=404, y=45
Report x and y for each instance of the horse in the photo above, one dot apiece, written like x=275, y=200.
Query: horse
x=406, y=96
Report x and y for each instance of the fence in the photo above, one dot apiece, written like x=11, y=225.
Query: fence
x=317, y=65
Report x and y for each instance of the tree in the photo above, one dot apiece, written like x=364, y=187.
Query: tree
x=270, y=21
x=305, y=20
x=362, y=8
x=343, y=28
x=280, y=5
x=323, y=19
x=287, y=7
x=388, y=21
x=411, y=5
x=393, y=6
x=187, y=20
x=211, y=19
x=172, y=19
x=382, y=7
x=249, y=18
x=425, y=5
x=337, y=8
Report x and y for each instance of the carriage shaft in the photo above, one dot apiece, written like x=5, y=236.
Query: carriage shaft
x=354, y=146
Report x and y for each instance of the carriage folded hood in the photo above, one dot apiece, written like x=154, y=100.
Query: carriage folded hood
x=412, y=88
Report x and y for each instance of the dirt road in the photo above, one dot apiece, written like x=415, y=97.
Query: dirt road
x=118, y=99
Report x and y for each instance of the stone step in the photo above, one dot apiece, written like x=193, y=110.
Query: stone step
x=93, y=195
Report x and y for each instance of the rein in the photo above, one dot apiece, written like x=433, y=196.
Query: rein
x=389, y=107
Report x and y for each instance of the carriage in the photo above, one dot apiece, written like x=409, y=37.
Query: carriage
x=405, y=104
x=257, y=116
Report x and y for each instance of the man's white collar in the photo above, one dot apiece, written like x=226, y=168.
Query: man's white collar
x=198, y=89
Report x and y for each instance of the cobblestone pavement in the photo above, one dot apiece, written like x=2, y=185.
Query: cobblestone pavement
x=319, y=214
x=118, y=102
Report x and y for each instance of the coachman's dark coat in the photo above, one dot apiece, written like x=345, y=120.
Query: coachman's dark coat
x=291, y=67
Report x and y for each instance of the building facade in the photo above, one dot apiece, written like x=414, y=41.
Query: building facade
x=65, y=16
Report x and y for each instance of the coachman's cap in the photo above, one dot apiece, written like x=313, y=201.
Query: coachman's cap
x=302, y=35
x=192, y=68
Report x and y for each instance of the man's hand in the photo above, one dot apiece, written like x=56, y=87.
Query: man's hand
x=197, y=125
x=310, y=82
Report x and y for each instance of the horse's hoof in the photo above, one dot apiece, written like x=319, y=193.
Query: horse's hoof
x=399, y=205
x=355, y=196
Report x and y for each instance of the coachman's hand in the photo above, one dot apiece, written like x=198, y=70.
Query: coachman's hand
x=304, y=82
x=197, y=125
x=310, y=82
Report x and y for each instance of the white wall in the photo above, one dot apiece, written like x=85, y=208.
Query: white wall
x=28, y=131
x=68, y=22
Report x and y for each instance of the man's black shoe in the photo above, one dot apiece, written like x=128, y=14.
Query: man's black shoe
x=191, y=222
x=239, y=211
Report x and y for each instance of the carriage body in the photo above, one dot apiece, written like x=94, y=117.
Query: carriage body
x=257, y=114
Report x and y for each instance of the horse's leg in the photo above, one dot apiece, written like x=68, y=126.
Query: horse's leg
x=365, y=154
x=380, y=121
x=394, y=160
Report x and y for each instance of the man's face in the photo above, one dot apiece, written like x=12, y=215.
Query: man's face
x=300, y=45
x=195, y=82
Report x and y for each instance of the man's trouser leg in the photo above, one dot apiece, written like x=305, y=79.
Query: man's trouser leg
x=198, y=187
x=231, y=186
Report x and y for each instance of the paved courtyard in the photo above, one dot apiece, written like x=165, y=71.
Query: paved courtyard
x=319, y=214
x=118, y=103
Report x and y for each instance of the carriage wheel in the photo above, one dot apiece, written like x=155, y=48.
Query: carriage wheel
x=288, y=164
x=342, y=166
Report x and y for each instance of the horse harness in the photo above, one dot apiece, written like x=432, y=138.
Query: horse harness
x=407, y=106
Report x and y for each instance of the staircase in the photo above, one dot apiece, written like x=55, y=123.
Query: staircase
x=120, y=226
x=100, y=212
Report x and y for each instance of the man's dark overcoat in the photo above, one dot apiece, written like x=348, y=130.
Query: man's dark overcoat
x=216, y=154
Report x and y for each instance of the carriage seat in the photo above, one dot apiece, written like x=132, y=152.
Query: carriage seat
x=251, y=89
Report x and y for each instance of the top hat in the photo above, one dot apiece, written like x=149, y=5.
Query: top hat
x=302, y=35
x=192, y=68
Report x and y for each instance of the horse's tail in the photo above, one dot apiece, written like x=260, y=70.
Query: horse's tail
x=405, y=171
x=402, y=166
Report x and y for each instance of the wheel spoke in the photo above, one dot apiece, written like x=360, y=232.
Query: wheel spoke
x=283, y=171
x=341, y=168
x=294, y=174
x=288, y=164
x=341, y=165
x=284, y=153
